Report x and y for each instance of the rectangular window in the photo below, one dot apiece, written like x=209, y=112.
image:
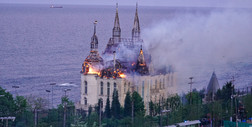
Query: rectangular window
x=108, y=89
x=155, y=84
x=115, y=86
x=160, y=84
x=85, y=90
x=164, y=83
x=101, y=88
x=171, y=80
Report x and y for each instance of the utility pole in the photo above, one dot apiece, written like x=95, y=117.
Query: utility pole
x=191, y=82
x=232, y=92
x=236, y=111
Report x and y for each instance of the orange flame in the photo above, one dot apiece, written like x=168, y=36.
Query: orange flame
x=122, y=75
x=92, y=71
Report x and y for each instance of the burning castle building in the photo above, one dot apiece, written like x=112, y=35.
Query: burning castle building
x=125, y=65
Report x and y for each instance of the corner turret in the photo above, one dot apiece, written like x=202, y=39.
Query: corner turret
x=94, y=62
x=141, y=66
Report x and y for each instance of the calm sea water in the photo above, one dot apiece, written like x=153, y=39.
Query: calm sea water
x=40, y=45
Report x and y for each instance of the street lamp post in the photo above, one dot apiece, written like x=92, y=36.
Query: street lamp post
x=65, y=90
x=15, y=87
x=64, y=122
x=48, y=91
x=52, y=84
x=165, y=111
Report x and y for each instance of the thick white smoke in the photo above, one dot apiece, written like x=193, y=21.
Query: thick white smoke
x=197, y=44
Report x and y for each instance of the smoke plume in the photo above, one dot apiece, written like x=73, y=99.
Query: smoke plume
x=198, y=44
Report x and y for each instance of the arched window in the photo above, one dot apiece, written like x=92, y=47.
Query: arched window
x=108, y=89
x=155, y=84
x=101, y=88
x=160, y=84
x=125, y=87
x=101, y=103
x=168, y=80
x=85, y=100
x=164, y=83
x=85, y=89
x=151, y=84
x=129, y=86
x=171, y=80
x=114, y=86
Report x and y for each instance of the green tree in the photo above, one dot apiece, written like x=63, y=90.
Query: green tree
x=107, y=109
x=7, y=103
x=36, y=105
x=17, y=107
x=21, y=111
x=247, y=101
x=68, y=107
x=138, y=104
x=92, y=120
x=127, y=105
x=89, y=110
x=194, y=109
x=99, y=106
x=115, y=109
x=226, y=92
x=151, y=108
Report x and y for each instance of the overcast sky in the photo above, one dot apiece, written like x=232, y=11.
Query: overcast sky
x=183, y=3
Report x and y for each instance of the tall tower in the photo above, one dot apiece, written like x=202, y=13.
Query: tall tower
x=136, y=27
x=212, y=88
x=116, y=30
x=93, y=61
x=94, y=40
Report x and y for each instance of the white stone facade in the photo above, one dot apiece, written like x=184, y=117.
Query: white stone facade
x=150, y=87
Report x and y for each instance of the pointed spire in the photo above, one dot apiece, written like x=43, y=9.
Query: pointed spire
x=94, y=39
x=212, y=87
x=116, y=29
x=136, y=26
x=95, y=27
